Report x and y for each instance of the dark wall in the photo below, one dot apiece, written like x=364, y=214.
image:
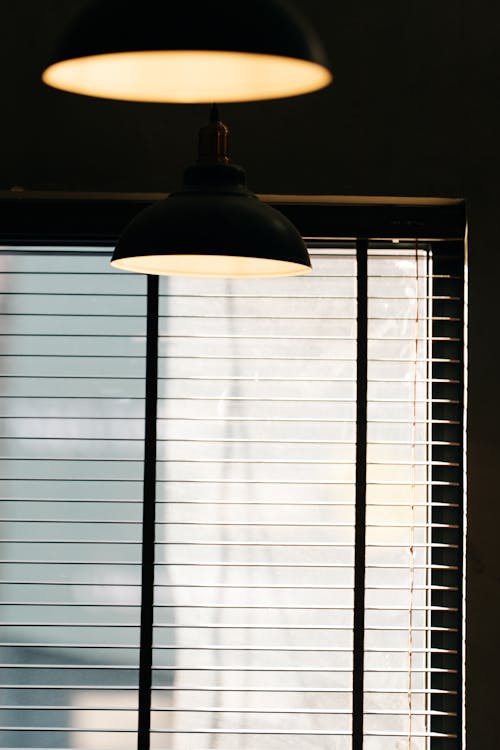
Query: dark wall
x=413, y=111
x=394, y=122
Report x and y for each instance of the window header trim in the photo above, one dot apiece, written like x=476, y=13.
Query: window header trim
x=99, y=222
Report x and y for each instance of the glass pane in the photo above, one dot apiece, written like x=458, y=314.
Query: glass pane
x=72, y=404
x=398, y=503
x=253, y=621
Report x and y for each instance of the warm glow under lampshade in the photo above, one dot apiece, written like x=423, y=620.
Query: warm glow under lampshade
x=189, y=51
x=214, y=226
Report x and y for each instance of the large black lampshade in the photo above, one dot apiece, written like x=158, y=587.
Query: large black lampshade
x=214, y=226
x=189, y=51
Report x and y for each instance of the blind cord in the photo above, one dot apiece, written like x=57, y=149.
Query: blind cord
x=413, y=501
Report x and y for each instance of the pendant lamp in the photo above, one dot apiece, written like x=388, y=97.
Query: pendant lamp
x=213, y=226
x=189, y=51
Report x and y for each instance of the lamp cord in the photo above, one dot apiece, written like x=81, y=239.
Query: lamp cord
x=214, y=113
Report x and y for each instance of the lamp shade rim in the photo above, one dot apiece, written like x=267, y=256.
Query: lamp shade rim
x=187, y=76
x=211, y=265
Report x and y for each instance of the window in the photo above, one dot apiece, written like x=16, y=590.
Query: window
x=257, y=550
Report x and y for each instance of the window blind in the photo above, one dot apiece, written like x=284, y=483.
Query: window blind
x=72, y=406
x=256, y=500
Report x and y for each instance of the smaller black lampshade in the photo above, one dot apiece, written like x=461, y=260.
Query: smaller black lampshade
x=189, y=51
x=214, y=226
x=230, y=236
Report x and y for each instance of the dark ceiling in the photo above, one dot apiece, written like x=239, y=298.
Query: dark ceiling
x=410, y=110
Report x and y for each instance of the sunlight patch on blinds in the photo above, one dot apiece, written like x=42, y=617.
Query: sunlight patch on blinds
x=399, y=526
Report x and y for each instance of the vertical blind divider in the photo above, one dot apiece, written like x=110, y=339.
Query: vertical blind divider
x=148, y=519
x=360, y=511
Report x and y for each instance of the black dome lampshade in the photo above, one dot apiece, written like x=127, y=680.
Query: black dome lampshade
x=214, y=226
x=189, y=51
